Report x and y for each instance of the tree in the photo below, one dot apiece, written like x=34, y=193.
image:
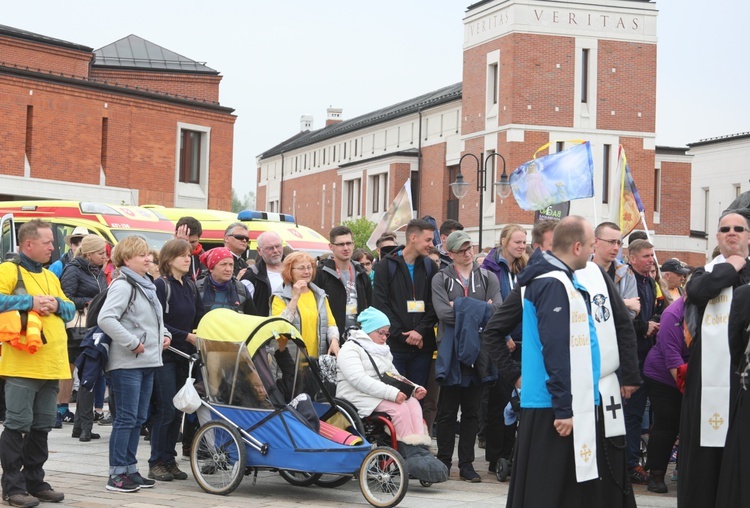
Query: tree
x=246, y=203
x=361, y=231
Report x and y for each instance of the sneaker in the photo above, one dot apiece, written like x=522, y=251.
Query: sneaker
x=638, y=475
x=122, y=483
x=160, y=472
x=24, y=500
x=674, y=476
x=68, y=417
x=58, y=421
x=98, y=416
x=468, y=474
x=106, y=419
x=144, y=483
x=176, y=472
x=481, y=443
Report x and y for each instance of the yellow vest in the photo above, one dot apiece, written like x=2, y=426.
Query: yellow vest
x=51, y=360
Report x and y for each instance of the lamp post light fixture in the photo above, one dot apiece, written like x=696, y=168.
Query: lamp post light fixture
x=460, y=187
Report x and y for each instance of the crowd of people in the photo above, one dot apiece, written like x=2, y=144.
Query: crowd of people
x=601, y=348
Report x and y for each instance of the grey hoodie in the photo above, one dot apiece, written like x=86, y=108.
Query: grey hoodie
x=141, y=322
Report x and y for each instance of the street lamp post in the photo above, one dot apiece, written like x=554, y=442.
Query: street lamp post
x=460, y=187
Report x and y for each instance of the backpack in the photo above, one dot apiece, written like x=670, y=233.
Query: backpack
x=484, y=279
x=168, y=289
x=96, y=303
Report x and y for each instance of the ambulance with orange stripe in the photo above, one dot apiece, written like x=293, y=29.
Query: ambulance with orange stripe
x=216, y=222
x=111, y=222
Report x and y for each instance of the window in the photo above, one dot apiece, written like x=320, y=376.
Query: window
x=345, y=143
x=352, y=188
x=105, y=135
x=657, y=189
x=493, y=85
x=29, y=131
x=606, y=168
x=190, y=156
x=379, y=192
x=585, y=75
x=489, y=177
x=559, y=146
x=706, y=208
x=356, y=143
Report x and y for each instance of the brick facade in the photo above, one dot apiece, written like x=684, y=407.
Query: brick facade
x=59, y=123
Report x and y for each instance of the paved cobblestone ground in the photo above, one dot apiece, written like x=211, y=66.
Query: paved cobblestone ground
x=80, y=471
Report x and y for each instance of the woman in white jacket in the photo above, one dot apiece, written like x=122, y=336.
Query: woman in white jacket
x=359, y=383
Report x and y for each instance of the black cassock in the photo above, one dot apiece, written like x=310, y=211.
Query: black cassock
x=544, y=472
x=734, y=481
x=700, y=466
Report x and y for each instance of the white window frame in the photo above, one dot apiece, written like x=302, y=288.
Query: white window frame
x=192, y=195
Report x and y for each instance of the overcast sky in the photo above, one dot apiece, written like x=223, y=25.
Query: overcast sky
x=287, y=58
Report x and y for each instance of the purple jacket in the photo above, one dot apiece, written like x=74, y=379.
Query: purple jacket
x=670, y=350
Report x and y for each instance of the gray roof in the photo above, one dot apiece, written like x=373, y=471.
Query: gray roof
x=43, y=39
x=720, y=139
x=133, y=52
x=428, y=100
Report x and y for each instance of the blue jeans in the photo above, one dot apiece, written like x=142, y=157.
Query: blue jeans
x=634, y=409
x=132, y=389
x=414, y=366
x=165, y=419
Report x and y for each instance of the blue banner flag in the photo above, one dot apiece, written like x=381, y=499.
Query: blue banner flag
x=555, y=178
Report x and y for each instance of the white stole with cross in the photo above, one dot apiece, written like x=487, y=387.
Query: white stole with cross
x=581, y=382
x=592, y=279
x=715, y=366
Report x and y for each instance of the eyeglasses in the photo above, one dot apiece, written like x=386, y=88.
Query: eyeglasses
x=464, y=251
x=611, y=242
x=382, y=333
x=278, y=246
x=303, y=268
x=242, y=238
x=737, y=229
x=343, y=244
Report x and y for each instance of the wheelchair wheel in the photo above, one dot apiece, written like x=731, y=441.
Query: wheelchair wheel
x=331, y=481
x=299, y=478
x=383, y=477
x=218, y=458
x=502, y=470
x=425, y=484
x=346, y=408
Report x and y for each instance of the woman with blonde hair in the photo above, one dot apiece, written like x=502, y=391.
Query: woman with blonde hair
x=506, y=261
x=305, y=305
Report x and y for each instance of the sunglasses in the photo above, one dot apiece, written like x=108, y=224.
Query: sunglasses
x=242, y=238
x=737, y=229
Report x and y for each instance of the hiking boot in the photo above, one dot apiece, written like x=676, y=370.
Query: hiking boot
x=638, y=475
x=160, y=472
x=49, y=496
x=656, y=482
x=468, y=474
x=87, y=435
x=24, y=500
x=176, y=472
x=144, y=483
x=122, y=483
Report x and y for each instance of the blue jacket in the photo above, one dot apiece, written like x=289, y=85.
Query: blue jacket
x=498, y=265
x=92, y=360
x=461, y=345
x=545, y=361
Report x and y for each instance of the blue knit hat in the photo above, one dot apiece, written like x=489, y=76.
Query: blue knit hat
x=372, y=319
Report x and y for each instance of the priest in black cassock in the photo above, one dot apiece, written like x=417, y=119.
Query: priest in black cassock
x=706, y=402
x=558, y=462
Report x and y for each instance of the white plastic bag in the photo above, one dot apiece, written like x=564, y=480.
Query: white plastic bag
x=187, y=399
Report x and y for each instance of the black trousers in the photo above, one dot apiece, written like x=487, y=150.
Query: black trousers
x=666, y=404
x=22, y=456
x=451, y=398
x=500, y=437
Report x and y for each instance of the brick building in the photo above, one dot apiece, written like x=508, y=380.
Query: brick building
x=131, y=122
x=533, y=73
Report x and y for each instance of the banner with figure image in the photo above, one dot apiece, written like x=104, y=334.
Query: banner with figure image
x=554, y=178
x=397, y=215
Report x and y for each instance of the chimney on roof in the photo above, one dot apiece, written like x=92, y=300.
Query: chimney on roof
x=305, y=123
x=334, y=116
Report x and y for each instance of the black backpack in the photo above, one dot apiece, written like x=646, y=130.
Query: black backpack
x=96, y=303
